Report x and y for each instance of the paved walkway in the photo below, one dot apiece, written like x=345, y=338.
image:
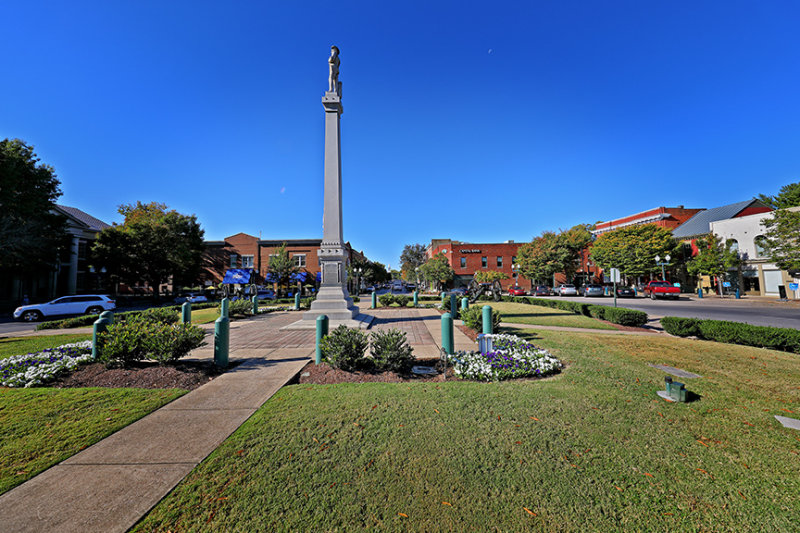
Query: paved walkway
x=109, y=486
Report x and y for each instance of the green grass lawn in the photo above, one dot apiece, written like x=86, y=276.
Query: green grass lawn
x=43, y=426
x=204, y=316
x=591, y=449
x=544, y=316
x=22, y=345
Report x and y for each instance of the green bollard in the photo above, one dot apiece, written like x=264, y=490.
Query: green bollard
x=374, y=301
x=223, y=307
x=221, y=340
x=487, y=319
x=99, y=327
x=108, y=315
x=464, y=303
x=700, y=292
x=442, y=295
x=416, y=298
x=297, y=301
x=254, y=299
x=447, y=333
x=738, y=294
x=453, y=305
x=322, y=330
x=186, y=313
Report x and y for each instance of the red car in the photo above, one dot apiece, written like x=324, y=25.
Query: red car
x=517, y=291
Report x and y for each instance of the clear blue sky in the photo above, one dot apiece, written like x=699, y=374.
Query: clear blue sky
x=477, y=121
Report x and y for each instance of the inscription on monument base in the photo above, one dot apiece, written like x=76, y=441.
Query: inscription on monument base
x=331, y=273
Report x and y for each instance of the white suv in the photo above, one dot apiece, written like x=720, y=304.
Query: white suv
x=89, y=304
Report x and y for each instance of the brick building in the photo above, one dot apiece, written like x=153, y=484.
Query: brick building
x=665, y=217
x=466, y=258
x=243, y=251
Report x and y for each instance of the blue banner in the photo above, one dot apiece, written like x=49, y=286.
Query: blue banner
x=237, y=275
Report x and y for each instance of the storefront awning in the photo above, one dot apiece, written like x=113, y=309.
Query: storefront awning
x=237, y=275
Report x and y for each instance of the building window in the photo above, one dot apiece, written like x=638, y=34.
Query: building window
x=484, y=262
x=759, y=242
x=513, y=259
x=234, y=260
x=733, y=245
x=499, y=261
x=300, y=260
x=463, y=262
x=247, y=261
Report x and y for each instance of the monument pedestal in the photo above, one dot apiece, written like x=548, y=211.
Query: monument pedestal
x=333, y=299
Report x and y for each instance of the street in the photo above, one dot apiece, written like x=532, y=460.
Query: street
x=757, y=312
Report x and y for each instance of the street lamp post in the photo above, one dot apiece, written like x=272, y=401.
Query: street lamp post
x=416, y=269
x=515, y=270
x=662, y=265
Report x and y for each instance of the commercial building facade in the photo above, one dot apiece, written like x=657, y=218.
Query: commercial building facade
x=243, y=251
x=468, y=258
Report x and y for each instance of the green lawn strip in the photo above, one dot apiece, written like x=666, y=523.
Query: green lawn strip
x=23, y=345
x=204, y=316
x=43, y=426
x=592, y=449
x=543, y=316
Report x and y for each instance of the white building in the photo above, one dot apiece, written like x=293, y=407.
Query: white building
x=760, y=277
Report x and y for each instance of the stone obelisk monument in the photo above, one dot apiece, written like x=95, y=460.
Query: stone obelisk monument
x=333, y=299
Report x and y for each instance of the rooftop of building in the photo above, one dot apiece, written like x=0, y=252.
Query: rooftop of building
x=700, y=223
x=92, y=223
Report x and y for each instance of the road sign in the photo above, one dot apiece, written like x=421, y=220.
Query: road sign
x=726, y=283
x=794, y=286
x=615, y=277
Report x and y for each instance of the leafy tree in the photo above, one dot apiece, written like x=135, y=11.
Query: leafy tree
x=281, y=266
x=541, y=258
x=489, y=276
x=714, y=258
x=782, y=240
x=573, y=242
x=31, y=232
x=413, y=257
x=633, y=249
x=789, y=196
x=436, y=270
x=152, y=244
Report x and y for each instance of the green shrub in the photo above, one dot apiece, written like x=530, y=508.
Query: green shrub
x=139, y=337
x=386, y=299
x=344, y=348
x=401, y=300
x=598, y=311
x=240, y=308
x=164, y=315
x=473, y=318
x=681, y=327
x=625, y=317
x=390, y=351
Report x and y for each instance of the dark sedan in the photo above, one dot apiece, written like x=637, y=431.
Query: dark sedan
x=625, y=292
x=542, y=290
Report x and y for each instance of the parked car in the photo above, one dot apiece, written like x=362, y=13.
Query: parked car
x=411, y=286
x=89, y=304
x=516, y=290
x=567, y=289
x=460, y=291
x=661, y=289
x=592, y=290
x=541, y=290
x=626, y=292
x=191, y=297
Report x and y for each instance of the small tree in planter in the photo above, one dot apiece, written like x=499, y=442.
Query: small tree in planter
x=390, y=351
x=344, y=348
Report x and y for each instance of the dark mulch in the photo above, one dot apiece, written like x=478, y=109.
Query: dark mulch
x=143, y=375
x=324, y=374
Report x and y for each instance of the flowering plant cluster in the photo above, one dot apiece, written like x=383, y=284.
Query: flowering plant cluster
x=510, y=357
x=36, y=368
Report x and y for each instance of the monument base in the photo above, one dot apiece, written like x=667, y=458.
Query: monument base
x=360, y=321
x=334, y=302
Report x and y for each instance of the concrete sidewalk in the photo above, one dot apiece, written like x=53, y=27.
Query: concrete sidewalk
x=109, y=486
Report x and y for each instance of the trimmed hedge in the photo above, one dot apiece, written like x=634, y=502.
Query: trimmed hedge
x=783, y=339
x=617, y=315
x=473, y=318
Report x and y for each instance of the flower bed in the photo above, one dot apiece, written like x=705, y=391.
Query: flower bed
x=510, y=357
x=36, y=368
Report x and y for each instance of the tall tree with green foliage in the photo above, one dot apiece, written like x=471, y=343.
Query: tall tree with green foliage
x=489, y=276
x=782, y=238
x=413, y=257
x=714, y=258
x=633, y=249
x=153, y=244
x=282, y=267
x=573, y=241
x=541, y=258
x=789, y=196
x=31, y=232
x=436, y=270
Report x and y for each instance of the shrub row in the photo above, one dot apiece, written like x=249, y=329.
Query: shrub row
x=144, y=336
x=473, y=318
x=345, y=348
x=616, y=315
x=783, y=339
